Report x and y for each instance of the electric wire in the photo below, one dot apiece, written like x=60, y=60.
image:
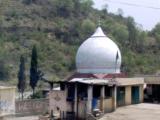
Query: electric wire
x=134, y=5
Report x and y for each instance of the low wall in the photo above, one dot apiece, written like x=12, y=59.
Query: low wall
x=7, y=101
x=57, y=99
x=32, y=106
x=82, y=111
x=108, y=105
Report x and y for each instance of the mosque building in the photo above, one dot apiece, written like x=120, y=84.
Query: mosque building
x=98, y=86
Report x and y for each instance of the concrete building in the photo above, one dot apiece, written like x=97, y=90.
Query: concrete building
x=98, y=86
x=152, y=90
x=7, y=101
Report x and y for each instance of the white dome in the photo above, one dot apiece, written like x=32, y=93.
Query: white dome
x=98, y=54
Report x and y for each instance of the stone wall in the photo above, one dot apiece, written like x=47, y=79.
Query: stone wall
x=57, y=99
x=32, y=106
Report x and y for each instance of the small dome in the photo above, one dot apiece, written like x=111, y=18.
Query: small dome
x=98, y=54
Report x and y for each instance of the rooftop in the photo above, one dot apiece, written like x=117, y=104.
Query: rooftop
x=110, y=82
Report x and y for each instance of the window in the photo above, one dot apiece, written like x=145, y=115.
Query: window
x=62, y=86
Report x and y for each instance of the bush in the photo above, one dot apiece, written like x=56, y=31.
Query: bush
x=4, y=71
x=37, y=95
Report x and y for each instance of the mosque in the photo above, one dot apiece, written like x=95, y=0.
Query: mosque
x=98, y=86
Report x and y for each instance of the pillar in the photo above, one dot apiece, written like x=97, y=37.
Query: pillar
x=141, y=93
x=114, y=97
x=102, y=98
x=75, y=100
x=89, y=100
x=66, y=91
x=66, y=96
x=128, y=95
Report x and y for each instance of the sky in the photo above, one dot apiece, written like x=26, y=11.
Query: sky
x=146, y=13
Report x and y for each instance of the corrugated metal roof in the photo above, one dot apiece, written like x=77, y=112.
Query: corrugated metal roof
x=91, y=81
x=116, y=81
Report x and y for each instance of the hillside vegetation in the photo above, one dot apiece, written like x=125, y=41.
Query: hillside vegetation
x=58, y=27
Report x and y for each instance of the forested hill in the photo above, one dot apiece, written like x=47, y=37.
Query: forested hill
x=58, y=27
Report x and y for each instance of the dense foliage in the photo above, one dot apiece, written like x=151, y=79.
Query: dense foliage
x=58, y=27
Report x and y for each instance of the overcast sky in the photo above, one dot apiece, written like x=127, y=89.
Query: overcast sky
x=145, y=12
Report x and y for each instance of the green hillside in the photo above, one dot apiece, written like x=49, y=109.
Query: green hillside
x=58, y=27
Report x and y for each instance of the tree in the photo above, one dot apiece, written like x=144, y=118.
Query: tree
x=21, y=76
x=105, y=9
x=86, y=6
x=64, y=8
x=87, y=26
x=4, y=71
x=120, y=33
x=120, y=12
x=27, y=2
x=132, y=36
x=141, y=41
x=35, y=74
x=156, y=33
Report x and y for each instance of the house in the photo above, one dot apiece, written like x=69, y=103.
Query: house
x=152, y=90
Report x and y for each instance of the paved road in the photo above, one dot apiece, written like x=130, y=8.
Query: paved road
x=135, y=112
x=24, y=118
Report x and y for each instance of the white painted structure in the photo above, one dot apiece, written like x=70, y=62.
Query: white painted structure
x=7, y=101
x=98, y=54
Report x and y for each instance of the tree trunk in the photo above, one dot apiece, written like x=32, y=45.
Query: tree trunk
x=22, y=96
x=51, y=85
x=33, y=92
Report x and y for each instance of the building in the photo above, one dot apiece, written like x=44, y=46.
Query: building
x=152, y=92
x=98, y=86
x=7, y=101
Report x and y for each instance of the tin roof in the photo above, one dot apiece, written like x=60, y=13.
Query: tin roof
x=110, y=82
x=90, y=81
x=96, y=76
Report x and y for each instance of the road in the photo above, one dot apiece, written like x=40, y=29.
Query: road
x=142, y=111
x=23, y=118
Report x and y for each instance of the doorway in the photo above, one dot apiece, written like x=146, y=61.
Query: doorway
x=120, y=96
x=135, y=94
